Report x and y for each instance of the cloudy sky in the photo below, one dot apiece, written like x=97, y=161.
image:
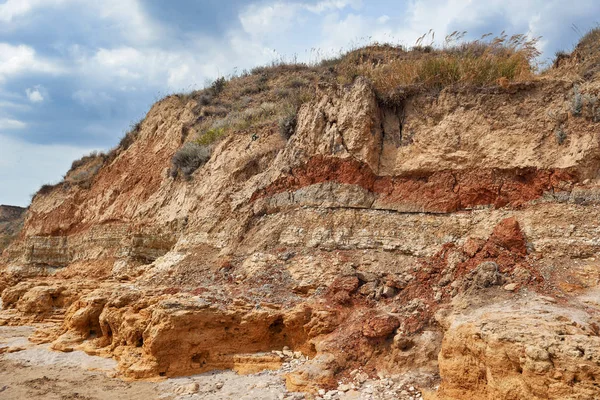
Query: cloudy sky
x=74, y=74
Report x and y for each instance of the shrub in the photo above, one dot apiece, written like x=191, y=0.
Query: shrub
x=216, y=110
x=593, y=111
x=49, y=188
x=560, y=135
x=590, y=43
x=262, y=83
x=250, y=89
x=587, y=54
x=576, y=102
x=217, y=86
x=287, y=123
x=86, y=159
x=210, y=136
x=46, y=189
x=130, y=136
x=204, y=99
x=559, y=56
x=585, y=105
x=189, y=158
x=83, y=176
x=296, y=83
x=238, y=120
x=281, y=93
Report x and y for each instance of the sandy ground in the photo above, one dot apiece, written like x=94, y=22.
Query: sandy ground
x=29, y=371
x=34, y=372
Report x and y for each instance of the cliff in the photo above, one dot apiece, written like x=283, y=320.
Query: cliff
x=450, y=230
x=11, y=221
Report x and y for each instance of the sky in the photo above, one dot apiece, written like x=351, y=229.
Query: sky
x=75, y=74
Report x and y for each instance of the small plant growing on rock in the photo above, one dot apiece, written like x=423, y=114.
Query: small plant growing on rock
x=559, y=56
x=576, y=102
x=130, y=136
x=218, y=86
x=210, y=136
x=287, y=123
x=189, y=158
x=560, y=135
x=86, y=159
x=204, y=99
x=585, y=105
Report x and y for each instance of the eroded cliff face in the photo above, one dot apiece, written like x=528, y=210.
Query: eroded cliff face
x=11, y=222
x=453, y=233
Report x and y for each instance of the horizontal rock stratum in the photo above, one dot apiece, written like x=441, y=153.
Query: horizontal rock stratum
x=453, y=232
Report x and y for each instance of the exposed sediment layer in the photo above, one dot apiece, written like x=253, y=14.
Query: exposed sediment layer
x=437, y=192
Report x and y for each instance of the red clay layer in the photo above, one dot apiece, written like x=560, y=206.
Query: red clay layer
x=440, y=191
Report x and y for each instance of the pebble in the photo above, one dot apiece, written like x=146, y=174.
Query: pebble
x=344, y=387
x=511, y=287
x=192, y=388
x=361, y=377
x=350, y=395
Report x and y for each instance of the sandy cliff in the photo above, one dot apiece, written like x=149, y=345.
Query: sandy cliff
x=453, y=233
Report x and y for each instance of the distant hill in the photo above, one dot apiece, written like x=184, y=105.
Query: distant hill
x=11, y=222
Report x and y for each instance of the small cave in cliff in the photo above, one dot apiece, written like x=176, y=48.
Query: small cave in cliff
x=277, y=326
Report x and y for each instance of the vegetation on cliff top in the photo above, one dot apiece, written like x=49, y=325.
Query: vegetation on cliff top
x=269, y=97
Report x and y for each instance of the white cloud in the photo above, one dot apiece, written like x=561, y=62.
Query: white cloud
x=12, y=9
x=10, y=124
x=383, y=19
x=129, y=19
x=24, y=167
x=6, y=104
x=131, y=69
x=533, y=17
x=35, y=94
x=331, y=5
x=126, y=17
x=276, y=17
x=259, y=20
x=21, y=59
x=92, y=98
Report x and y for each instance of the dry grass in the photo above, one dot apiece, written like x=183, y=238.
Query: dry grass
x=478, y=63
x=253, y=100
x=590, y=42
x=272, y=95
x=587, y=54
